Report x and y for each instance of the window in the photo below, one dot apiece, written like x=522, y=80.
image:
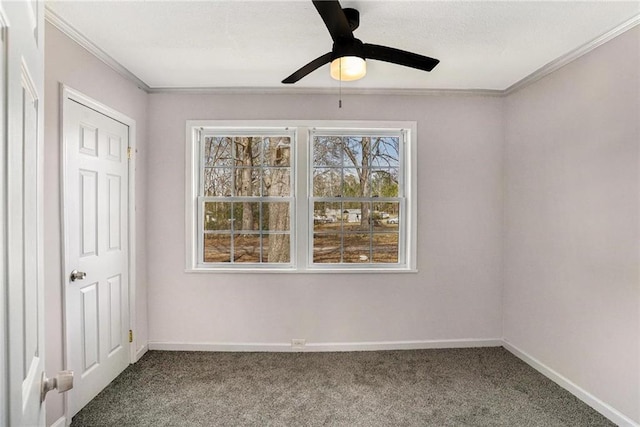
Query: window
x=356, y=199
x=244, y=197
x=297, y=196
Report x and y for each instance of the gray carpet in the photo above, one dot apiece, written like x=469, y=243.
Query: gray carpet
x=452, y=387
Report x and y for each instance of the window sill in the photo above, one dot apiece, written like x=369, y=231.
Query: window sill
x=209, y=270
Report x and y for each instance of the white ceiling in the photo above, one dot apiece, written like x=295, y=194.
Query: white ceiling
x=256, y=44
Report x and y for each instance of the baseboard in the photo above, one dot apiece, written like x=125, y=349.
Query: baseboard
x=403, y=345
x=244, y=347
x=60, y=422
x=141, y=351
x=612, y=414
x=317, y=347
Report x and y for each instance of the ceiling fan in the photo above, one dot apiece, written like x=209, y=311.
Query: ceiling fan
x=349, y=54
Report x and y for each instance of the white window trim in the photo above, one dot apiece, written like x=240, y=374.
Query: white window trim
x=300, y=230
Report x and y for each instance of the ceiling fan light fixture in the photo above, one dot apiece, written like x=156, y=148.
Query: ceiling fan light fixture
x=347, y=57
x=348, y=68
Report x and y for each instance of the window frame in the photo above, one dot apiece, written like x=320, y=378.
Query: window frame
x=261, y=200
x=301, y=220
x=401, y=198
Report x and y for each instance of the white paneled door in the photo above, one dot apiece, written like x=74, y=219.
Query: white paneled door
x=22, y=355
x=95, y=152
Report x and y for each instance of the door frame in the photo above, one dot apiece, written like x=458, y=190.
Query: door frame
x=68, y=94
x=4, y=283
x=22, y=62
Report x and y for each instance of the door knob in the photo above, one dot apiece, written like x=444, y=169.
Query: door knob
x=62, y=382
x=77, y=275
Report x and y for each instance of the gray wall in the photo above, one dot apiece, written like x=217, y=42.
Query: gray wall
x=457, y=292
x=572, y=285
x=68, y=63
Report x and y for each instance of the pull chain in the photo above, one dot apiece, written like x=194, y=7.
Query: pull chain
x=340, y=86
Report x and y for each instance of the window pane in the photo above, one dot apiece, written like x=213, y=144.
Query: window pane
x=357, y=183
x=327, y=182
x=246, y=216
x=276, y=248
x=276, y=182
x=217, y=248
x=386, y=216
x=327, y=248
x=217, y=216
x=247, y=166
x=247, y=150
x=357, y=151
x=356, y=216
x=327, y=151
x=357, y=248
x=327, y=216
x=370, y=168
x=217, y=151
x=275, y=216
x=246, y=248
x=385, y=248
x=384, y=182
x=385, y=151
x=247, y=182
x=217, y=182
x=277, y=151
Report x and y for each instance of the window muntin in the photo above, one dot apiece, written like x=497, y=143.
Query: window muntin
x=245, y=201
x=357, y=198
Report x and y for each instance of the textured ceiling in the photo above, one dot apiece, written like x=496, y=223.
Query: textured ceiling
x=255, y=44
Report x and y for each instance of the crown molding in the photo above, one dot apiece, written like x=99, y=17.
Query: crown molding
x=567, y=58
x=325, y=91
x=75, y=35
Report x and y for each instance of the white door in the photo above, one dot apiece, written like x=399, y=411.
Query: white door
x=95, y=209
x=21, y=203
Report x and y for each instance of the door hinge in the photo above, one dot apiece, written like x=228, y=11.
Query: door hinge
x=130, y=335
x=129, y=153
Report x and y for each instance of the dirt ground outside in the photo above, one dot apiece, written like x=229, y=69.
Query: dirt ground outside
x=332, y=244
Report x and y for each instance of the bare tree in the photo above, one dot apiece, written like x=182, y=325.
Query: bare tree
x=217, y=166
x=277, y=182
x=358, y=151
x=217, y=180
x=244, y=177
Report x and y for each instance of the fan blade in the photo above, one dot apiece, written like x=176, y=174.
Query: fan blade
x=310, y=67
x=334, y=18
x=401, y=57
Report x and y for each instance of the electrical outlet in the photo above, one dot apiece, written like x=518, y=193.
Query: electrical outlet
x=298, y=343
